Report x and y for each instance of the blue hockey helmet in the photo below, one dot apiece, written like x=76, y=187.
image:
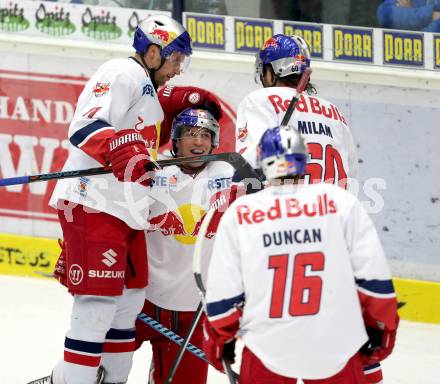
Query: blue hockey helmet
x=288, y=55
x=196, y=117
x=165, y=32
x=282, y=152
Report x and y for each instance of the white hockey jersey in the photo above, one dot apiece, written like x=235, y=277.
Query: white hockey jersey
x=331, y=148
x=313, y=253
x=178, y=203
x=118, y=96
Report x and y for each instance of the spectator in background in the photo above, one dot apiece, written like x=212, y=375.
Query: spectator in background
x=414, y=15
x=350, y=12
x=282, y=10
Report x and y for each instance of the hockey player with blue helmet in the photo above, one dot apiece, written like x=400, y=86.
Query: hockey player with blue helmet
x=311, y=296
x=279, y=67
x=332, y=156
x=282, y=153
x=179, y=200
x=287, y=56
x=117, y=123
x=171, y=39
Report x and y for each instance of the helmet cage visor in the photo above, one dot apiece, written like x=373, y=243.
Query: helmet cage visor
x=178, y=60
x=258, y=76
x=196, y=118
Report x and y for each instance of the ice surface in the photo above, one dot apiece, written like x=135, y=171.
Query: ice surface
x=34, y=317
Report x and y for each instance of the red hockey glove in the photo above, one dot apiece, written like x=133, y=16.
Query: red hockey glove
x=217, y=347
x=220, y=201
x=60, y=267
x=129, y=157
x=380, y=344
x=175, y=99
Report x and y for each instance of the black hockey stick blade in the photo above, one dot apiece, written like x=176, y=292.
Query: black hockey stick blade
x=43, y=380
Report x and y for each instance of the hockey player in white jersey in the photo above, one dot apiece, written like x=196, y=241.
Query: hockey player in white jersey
x=332, y=154
x=279, y=66
x=311, y=295
x=180, y=197
x=117, y=124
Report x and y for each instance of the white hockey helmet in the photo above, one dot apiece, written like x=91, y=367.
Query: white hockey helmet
x=166, y=33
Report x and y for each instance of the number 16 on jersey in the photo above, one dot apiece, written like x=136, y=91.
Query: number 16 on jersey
x=305, y=289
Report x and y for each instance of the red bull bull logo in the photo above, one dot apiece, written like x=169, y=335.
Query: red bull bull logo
x=183, y=224
x=299, y=59
x=242, y=134
x=161, y=34
x=101, y=89
x=270, y=43
x=150, y=134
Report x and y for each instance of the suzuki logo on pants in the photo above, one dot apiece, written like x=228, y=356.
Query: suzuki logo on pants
x=109, y=257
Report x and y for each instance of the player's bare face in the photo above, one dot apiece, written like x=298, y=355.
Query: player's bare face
x=172, y=66
x=194, y=141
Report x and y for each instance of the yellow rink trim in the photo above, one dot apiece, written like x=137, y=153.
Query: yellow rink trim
x=28, y=256
x=421, y=298
x=36, y=257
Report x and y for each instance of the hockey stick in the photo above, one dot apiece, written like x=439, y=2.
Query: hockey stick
x=184, y=344
x=247, y=173
x=232, y=158
x=299, y=89
x=176, y=338
x=197, y=269
x=168, y=333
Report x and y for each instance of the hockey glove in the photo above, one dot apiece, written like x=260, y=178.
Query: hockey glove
x=380, y=344
x=129, y=157
x=175, y=99
x=220, y=201
x=217, y=347
x=60, y=267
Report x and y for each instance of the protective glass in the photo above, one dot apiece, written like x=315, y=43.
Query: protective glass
x=258, y=76
x=195, y=132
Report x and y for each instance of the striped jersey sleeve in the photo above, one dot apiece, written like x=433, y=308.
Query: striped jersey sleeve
x=371, y=271
x=225, y=291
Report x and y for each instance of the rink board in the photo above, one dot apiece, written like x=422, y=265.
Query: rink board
x=36, y=257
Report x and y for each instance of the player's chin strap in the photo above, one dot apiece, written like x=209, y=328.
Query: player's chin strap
x=152, y=71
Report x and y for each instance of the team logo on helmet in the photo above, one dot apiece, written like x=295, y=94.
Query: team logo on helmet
x=101, y=89
x=166, y=36
x=271, y=42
